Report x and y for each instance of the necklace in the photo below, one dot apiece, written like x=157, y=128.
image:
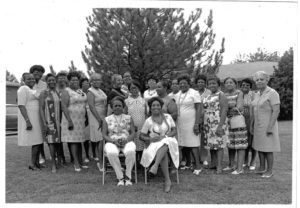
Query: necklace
x=119, y=128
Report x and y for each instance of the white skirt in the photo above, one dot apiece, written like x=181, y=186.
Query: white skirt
x=150, y=153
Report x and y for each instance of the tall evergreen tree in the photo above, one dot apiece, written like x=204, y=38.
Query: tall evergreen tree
x=150, y=41
x=282, y=82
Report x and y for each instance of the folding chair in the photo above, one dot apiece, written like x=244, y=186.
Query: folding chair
x=121, y=156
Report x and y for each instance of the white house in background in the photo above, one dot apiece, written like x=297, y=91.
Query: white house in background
x=245, y=70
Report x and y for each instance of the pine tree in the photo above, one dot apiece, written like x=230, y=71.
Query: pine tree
x=282, y=82
x=259, y=55
x=159, y=42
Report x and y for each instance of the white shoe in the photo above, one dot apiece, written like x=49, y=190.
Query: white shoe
x=252, y=167
x=197, y=172
x=244, y=165
x=42, y=160
x=205, y=163
x=96, y=158
x=100, y=169
x=128, y=183
x=228, y=168
x=121, y=182
x=237, y=172
x=86, y=160
x=84, y=166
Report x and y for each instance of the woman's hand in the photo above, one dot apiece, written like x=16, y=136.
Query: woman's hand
x=269, y=131
x=220, y=131
x=196, y=129
x=156, y=138
x=28, y=125
x=100, y=124
x=70, y=125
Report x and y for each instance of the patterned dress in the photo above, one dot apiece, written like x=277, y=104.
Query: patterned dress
x=248, y=98
x=52, y=115
x=137, y=109
x=238, y=138
x=77, y=111
x=118, y=126
x=100, y=105
x=211, y=105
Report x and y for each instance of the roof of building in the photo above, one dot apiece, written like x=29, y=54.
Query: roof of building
x=245, y=70
x=14, y=84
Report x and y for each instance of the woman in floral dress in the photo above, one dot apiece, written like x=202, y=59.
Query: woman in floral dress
x=215, y=108
x=137, y=110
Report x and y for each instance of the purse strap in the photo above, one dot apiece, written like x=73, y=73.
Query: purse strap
x=239, y=111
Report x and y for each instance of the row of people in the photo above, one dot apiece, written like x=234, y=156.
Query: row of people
x=60, y=114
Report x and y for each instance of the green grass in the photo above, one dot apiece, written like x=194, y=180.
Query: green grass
x=66, y=186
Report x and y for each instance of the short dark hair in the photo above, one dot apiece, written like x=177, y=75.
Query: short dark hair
x=247, y=80
x=151, y=100
x=73, y=74
x=82, y=80
x=37, y=68
x=119, y=98
x=61, y=73
x=185, y=77
x=151, y=77
x=135, y=83
x=201, y=76
x=214, y=78
x=233, y=79
x=49, y=75
x=165, y=83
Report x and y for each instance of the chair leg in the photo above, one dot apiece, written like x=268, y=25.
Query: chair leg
x=135, y=171
x=145, y=172
x=103, y=166
x=177, y=176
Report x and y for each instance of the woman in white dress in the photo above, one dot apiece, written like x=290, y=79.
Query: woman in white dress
x=151, y=91
x=188, y=120
x=29, y=126
x=159, y=129
x=97, y=110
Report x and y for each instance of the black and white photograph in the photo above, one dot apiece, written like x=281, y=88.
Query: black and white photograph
x=149, y=102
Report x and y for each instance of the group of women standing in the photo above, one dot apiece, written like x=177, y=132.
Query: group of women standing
x=153, y=127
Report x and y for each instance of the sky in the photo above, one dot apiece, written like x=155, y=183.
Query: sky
x=53, y=32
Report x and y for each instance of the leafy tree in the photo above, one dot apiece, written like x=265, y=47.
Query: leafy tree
x=11, y=77
x=52, y=71
x=72, y=67
x=159, y=42
x=282, y=82
x=259, y=55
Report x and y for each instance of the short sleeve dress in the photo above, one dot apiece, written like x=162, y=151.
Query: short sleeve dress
x=100, y=105
x=262, y=107
x=186, y=118
x=29, y=99
x=136, y=109
x=154, y=129
x=77, y=110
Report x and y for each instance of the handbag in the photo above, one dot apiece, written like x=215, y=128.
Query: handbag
x=237, y=121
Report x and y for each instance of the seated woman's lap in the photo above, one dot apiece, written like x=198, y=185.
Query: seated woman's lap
x=111, y=148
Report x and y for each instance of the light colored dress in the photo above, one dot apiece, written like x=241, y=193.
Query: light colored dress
x=77, y=112
x=39, y=87
x=100, y=105
x=212, y=116
x=149, y=94
x=52, y=115
x=262, y=107
x=29, y=99
x=248, y=98
x=156, y=129
x=186, y=118
x=172, y=95
x=238, y=138
x=136, y=109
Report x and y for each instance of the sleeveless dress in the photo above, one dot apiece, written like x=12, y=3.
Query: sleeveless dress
x=29, y=99
x=212, y=110
x=238, y=138
x=136, y=109
x=100, y=105
x=52, y=116
x=77, y=109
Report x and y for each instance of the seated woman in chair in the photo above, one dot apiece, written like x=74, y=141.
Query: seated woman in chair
x=159, y=129
x=118, y=132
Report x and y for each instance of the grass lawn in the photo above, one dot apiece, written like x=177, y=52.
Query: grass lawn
x=66, y=186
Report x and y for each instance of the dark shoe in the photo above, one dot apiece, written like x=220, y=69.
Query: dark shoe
x=30, y=167
x=213, y=168
x=260, y=171
x=167, y=187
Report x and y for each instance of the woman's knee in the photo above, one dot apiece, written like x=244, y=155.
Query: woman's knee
x=111, y=149
x=130, y=148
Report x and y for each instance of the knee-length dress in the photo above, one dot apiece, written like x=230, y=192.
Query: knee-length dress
x=52, y=115
x=262, y=108
x=238, y=138
x=29, y=99
x=212, y=116
x=100, y=105
x=77, y=111
x=137, y=110
x=186, y=118
x=155, y=129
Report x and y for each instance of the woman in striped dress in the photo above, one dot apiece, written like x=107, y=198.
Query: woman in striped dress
x=238, y=139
